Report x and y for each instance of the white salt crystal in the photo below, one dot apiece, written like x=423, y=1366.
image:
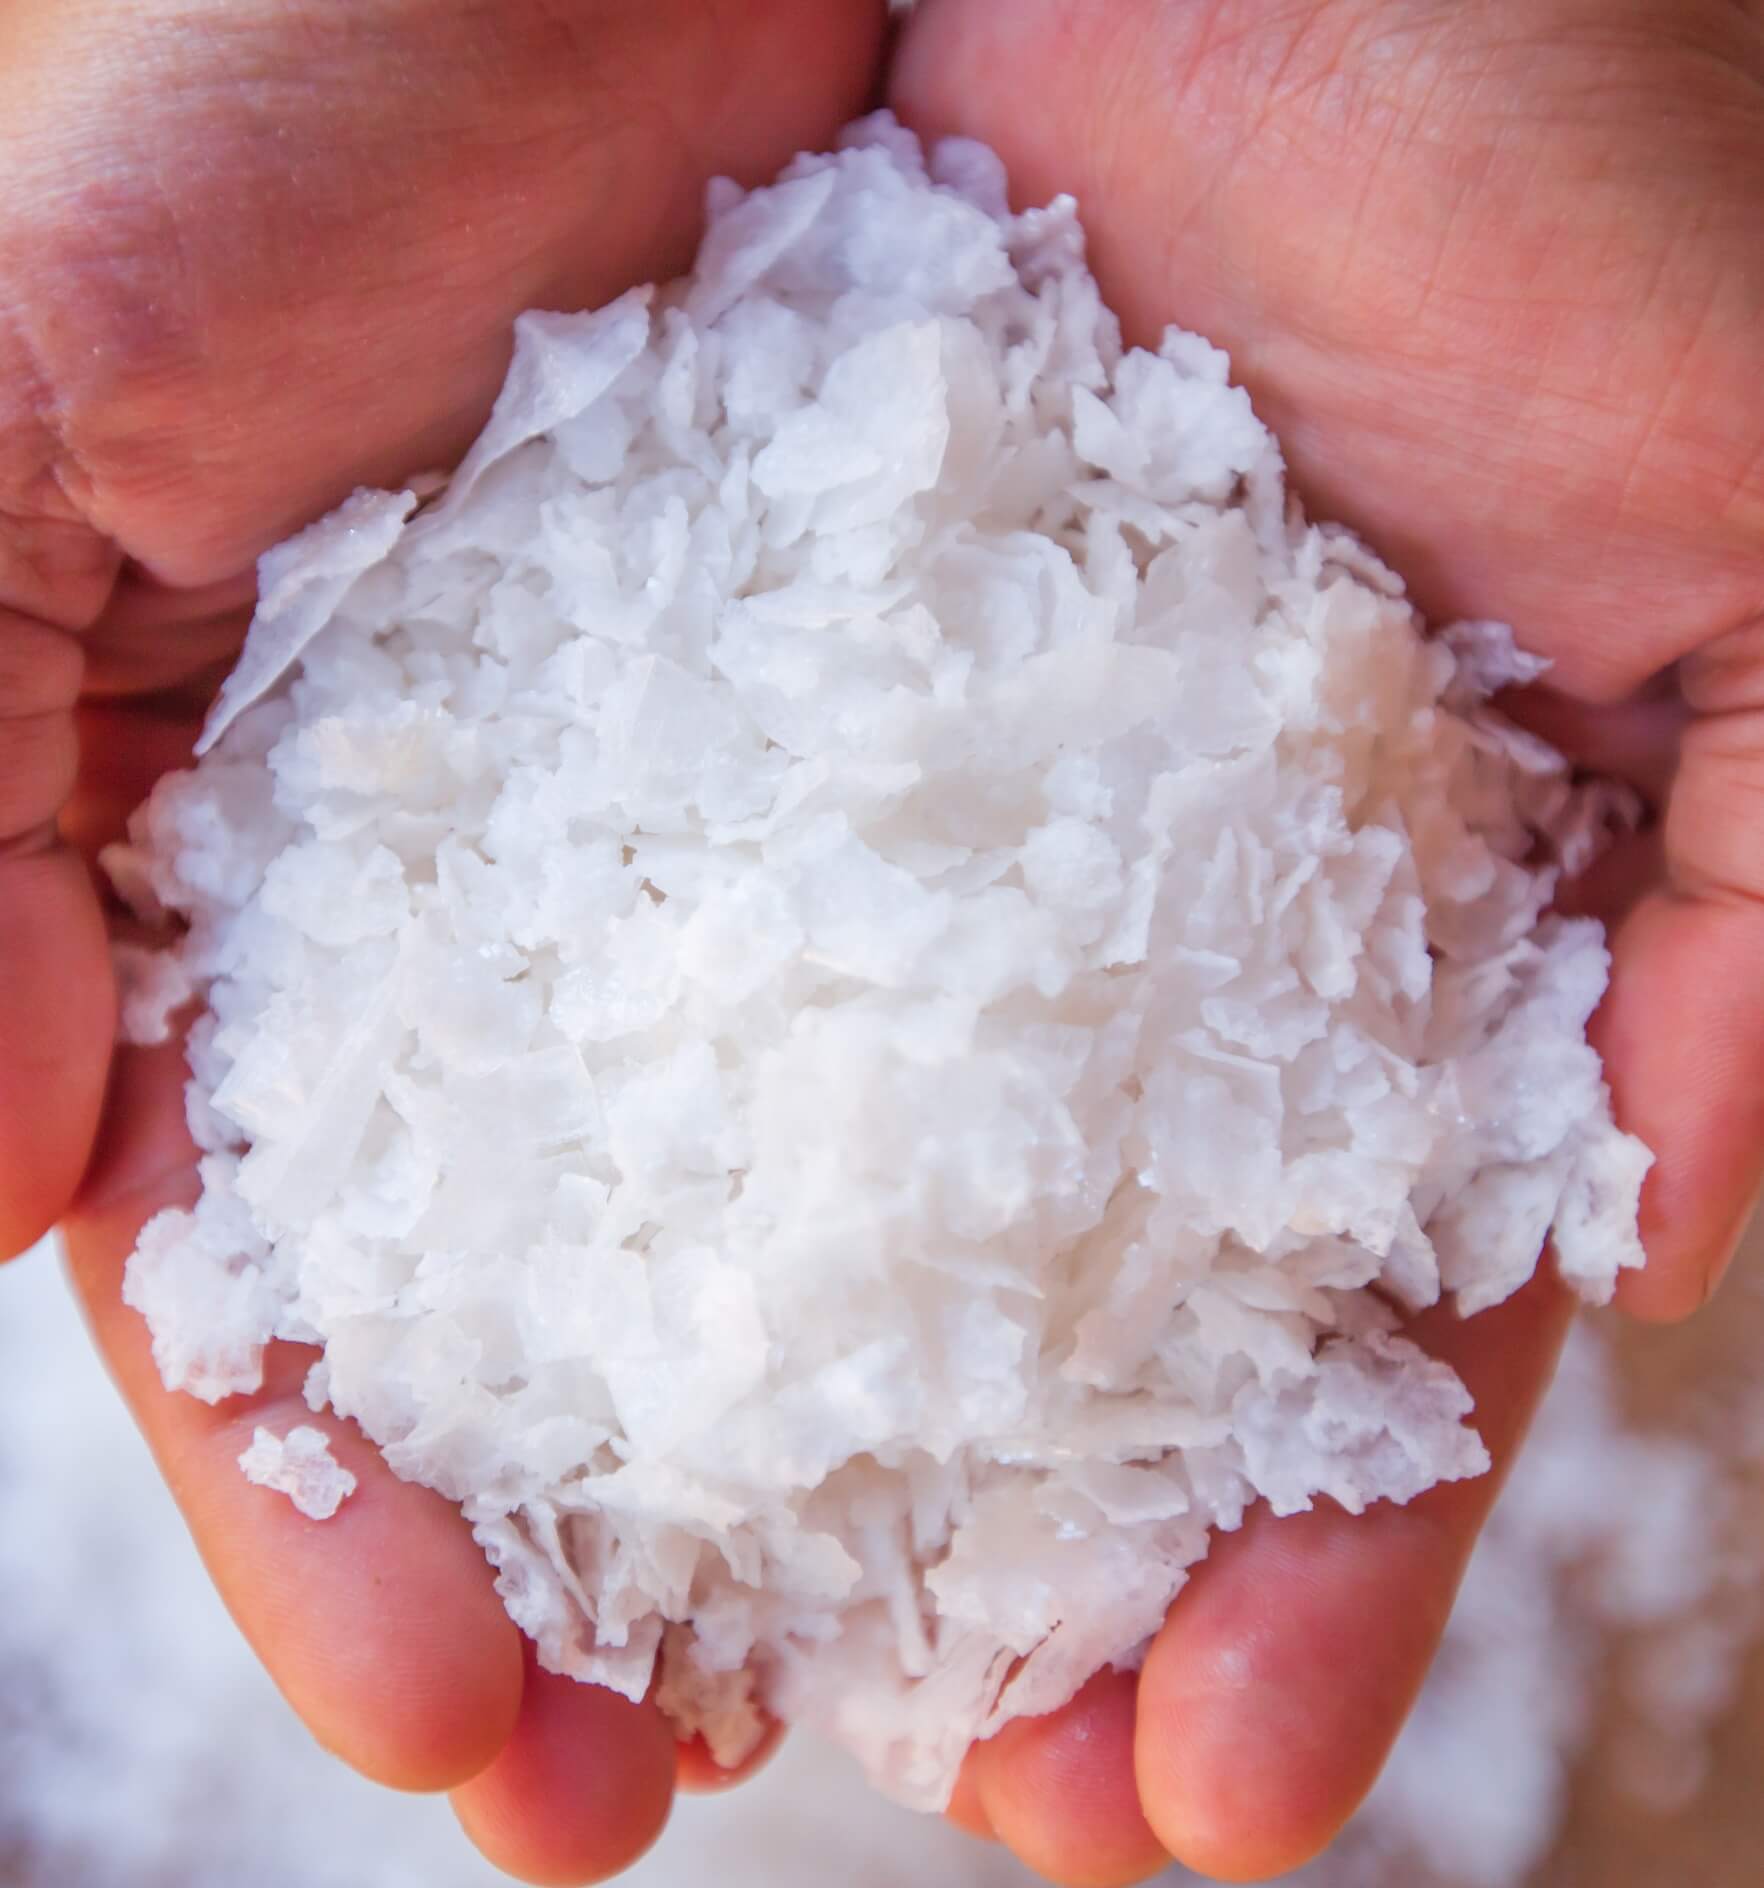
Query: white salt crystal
x=152, y=986
x=299, y=1465
x=845, y=983
x=300, y=585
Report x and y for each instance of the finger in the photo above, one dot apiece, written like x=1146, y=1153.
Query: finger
x=1682, y=1030
x=126, y=747
x=1059, y=1790
x=381, y=1626
x=1682, y=1035
x=152, y=637
x=581, y=1789
x=56, y=1000
x=57, y=1019
x=1274, y=1693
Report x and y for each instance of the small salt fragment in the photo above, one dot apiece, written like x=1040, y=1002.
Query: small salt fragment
x=152, y=987
x=720, y=1707
x=299, y=1465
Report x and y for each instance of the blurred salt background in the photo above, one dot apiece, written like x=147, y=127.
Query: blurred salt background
x=140, y=1746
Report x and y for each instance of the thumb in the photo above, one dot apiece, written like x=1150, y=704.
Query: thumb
x=57, y=1007
x=1682, y=1031
x=57, y=1004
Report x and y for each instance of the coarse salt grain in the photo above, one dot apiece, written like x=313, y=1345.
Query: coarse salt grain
x=301, y=1466
x=852, y=983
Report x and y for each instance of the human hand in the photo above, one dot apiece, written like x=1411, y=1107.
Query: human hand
x=149, y=264
x=253, y=254
x=1494, y=274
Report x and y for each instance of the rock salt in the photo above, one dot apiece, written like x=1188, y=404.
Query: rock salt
x=301, y=1466
x=850, y=984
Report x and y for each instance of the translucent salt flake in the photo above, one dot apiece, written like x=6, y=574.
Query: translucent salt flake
x=748, y=235
x=299, y=1465
x=563, y=366
x=843, y=988
x=300, y=584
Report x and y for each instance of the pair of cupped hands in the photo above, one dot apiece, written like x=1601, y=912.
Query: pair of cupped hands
x=1492, y=269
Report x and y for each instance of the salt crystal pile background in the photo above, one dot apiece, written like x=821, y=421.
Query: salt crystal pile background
x=832, y=981
x=141, y=1743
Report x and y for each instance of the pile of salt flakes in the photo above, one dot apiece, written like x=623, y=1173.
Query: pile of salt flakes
x=854, y=984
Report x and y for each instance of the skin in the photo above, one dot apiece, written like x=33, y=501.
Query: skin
x=1492, y=271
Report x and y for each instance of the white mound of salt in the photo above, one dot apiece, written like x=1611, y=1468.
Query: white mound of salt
x=301, y=1466
x=851, y=984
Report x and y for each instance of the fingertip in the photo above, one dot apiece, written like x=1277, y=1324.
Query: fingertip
x=581, y=1789
x=1270, y=1701
x=1059, y=1791
x=24, y=1225
x=1661, y=1293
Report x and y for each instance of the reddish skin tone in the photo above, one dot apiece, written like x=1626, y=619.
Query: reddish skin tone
x=1504, y=320
x=1040, y=1778
x=1272, y=1696
x=582, y=1762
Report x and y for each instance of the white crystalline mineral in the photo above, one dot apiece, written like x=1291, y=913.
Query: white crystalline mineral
x=853, y=985
x=301, y=1466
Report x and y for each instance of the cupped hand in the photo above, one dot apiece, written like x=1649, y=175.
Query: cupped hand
x=1489, y=271
x=1494, y=273
x=254, y=253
